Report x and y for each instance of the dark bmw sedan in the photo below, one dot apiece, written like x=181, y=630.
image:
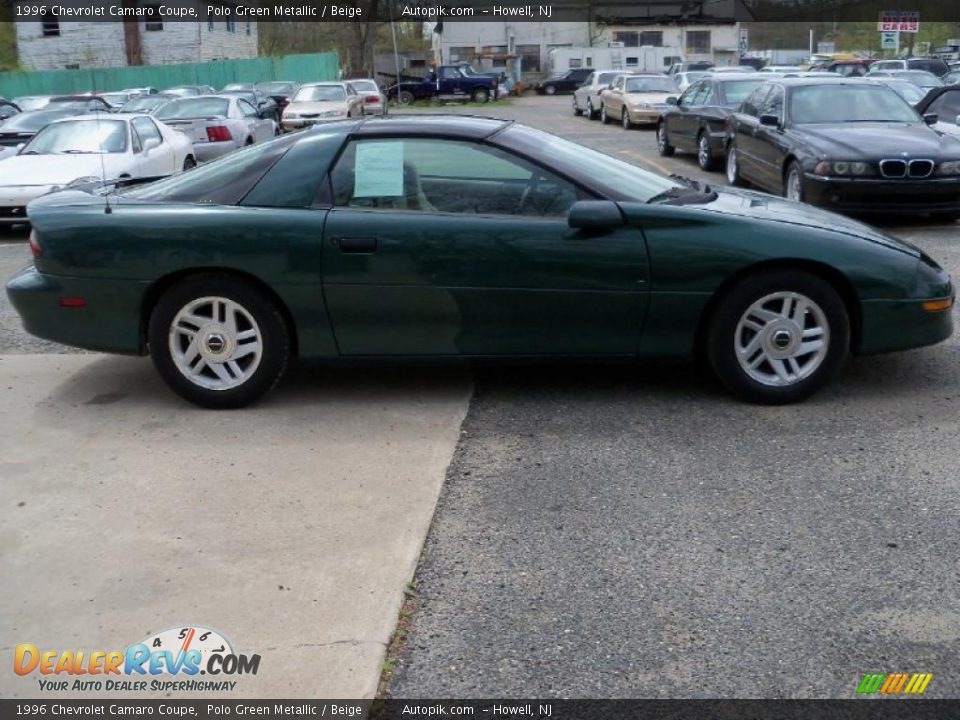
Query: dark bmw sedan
x=564, y=82
x=697, y=120
x=847, y=144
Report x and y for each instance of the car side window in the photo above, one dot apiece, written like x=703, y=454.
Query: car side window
x=246, y=109
x=946, y=106
x=690, y=95
x=752, y=105
x=448, y=176
x=145, y=129
x=449, y=73
x=773, y=103
x=589, y=81
x=706, y=97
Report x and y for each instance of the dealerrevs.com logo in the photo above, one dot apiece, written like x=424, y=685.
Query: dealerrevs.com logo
x=894, y=683
x=170, y=660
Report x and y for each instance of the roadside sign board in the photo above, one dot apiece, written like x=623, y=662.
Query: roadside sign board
x=899, y=21
x=888, y=40
x=744, y=40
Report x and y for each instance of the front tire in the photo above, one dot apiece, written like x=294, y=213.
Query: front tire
x=480, y=95
x=779, y=336
x=733, y=168
x=591, y=113
x=663, y=140
x=793, y=183
x=604, y=118
x=550, y=90
x=218, y=341
x=625, y=120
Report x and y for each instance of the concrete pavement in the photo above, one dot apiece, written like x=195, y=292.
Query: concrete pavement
x=291, y=527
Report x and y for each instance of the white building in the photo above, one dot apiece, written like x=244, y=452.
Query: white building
x=55, y=45
x=713, y=35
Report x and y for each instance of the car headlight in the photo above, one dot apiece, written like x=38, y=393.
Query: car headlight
x=847, y=168
x=949, y=167
x=333, y=113
x=642, y=106
x=291, y=116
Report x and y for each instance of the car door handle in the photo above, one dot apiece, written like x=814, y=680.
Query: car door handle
x=356, y=244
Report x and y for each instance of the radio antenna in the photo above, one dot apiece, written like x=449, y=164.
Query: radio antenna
x=107, y=210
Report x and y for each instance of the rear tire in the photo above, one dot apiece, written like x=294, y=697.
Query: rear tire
x=663, y=140
x=778, y=336
x=218, y=341
x=793, y=183
x=576, y=111
x=705, y=157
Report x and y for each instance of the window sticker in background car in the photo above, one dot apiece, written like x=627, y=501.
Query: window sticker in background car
x=379, y=170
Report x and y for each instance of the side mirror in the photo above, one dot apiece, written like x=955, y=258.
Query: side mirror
x=769, y=120
x=672, y=100
x=149, y=144
x=595, y=215
x=931, y=118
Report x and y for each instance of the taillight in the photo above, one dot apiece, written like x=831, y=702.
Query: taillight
x=35, y=244
x=218, y=133
x=372, y=99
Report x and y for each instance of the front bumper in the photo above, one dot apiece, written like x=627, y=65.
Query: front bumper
x=883, y=196
x=646, y=116
x=110, y=321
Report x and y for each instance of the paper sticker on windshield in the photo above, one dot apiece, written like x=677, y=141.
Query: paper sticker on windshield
x=379, y=170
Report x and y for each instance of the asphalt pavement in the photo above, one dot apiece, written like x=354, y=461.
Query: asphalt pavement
x=633, y=532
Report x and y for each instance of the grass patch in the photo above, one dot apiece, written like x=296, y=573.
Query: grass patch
x=399, y=639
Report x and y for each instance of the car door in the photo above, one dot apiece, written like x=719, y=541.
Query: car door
x=772, y=144
x=451, y=81
x=260, y=128
x=158, y=161
x=682, y=134
x=580, y=94
x=746, y=122
x=612, y=98
x=449, y=247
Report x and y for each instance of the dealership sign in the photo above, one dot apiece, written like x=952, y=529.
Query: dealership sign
x=899, y=21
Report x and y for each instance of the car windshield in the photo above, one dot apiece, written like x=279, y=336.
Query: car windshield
x=29, y=122
x=183, y=91
x=277, y=88
x=908, y=91
x=618, y=179
x=811, y=104
x=919, y=77
x=365, y=85
x=321, y=93
x=69, y=103
x=78, y=137
x=31, y=103
x=736, y=91
x=146, y=103
x=194, y=108
x=649, y=84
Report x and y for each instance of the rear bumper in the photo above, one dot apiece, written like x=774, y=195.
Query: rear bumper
x=308, y=122
x=205, y=152
x=110, y=321
x=883, y=196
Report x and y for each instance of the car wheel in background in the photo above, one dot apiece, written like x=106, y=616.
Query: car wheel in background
x=218, y=341
x=704, y=153
x=480, y=95
x=604, y=118
x=793, y=182
x=405, y=97
x=189, y=163
x=576, y=110
x=663, y=140
x=733, y=167
x=591, y=113
x=550, y=90
x=779, y=336
x=625, y=120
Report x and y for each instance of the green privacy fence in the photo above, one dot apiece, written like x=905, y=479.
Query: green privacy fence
x=311, y=67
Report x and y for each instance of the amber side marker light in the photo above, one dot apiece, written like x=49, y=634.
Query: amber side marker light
x=938, y=305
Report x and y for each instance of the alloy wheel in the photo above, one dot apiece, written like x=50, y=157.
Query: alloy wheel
x=782, y=338
x=215, y=343
x=703, y=151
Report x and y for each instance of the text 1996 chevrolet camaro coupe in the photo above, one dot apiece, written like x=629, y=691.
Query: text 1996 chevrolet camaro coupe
x=438, y=236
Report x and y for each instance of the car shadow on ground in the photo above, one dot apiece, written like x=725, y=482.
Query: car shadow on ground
x=110, y=381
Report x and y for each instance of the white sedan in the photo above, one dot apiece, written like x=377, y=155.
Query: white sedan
x=86, y=149
x=217, y=124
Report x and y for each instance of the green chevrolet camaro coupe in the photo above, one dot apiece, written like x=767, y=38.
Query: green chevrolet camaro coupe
x=441, y=236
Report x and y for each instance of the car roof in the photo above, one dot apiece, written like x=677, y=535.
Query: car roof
x=328, y=83
x=472, y=127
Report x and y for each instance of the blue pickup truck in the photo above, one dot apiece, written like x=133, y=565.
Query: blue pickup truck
x=447, y=82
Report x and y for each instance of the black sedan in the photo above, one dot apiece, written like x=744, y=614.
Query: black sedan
x=280, y=91
x=697, y=120
x=848, y=144
x=266, y=106
x=563, y=82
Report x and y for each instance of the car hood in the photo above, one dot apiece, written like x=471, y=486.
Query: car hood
x=850, y=141
x=60, y=169
x=316, y=107
x=760, y=206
